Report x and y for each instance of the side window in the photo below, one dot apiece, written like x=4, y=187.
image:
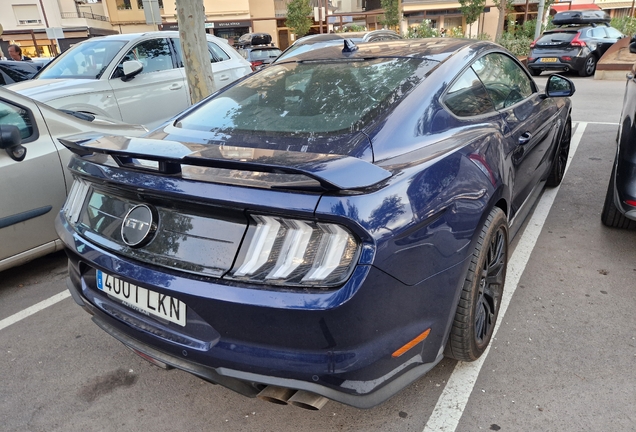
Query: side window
x=14, y=115
x=216, y=53
x=467, y=96
x=597, y=33
x=613, y=33
x=154, y=54
x=506, y=82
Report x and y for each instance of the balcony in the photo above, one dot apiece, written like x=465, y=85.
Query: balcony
x=85, y=15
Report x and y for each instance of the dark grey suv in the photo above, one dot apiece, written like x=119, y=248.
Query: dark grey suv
x=577, y=44
x=619, y=210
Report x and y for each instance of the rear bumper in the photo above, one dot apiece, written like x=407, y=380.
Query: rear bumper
x=576, y=63
x=337, y=343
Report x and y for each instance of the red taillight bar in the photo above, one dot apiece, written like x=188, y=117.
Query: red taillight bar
x=577, y=42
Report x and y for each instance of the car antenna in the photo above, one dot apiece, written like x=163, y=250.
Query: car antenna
x=349, y=46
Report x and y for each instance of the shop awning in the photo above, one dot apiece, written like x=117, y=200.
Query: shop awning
x=567, y=6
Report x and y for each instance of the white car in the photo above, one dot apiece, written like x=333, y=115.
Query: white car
x=35, y=180
x=136, y=78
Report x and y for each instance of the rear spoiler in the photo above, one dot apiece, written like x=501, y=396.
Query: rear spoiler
x=333, y=172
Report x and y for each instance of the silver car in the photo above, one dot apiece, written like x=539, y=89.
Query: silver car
x=136, y=78
x=35, y=180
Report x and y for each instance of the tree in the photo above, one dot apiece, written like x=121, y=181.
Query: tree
x=505, y=7
x=391, y=13
x=298, y=17
x=194, y=45
x=471, y=9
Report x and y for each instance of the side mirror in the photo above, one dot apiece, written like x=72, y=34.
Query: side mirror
x=131, y=68
x=11, y=142
x=559, y=86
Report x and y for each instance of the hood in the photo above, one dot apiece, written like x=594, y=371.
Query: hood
x=49, y=89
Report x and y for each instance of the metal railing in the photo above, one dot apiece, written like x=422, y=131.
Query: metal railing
x=86, y=15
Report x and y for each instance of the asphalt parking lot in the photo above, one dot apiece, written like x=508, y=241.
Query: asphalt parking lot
x=563, y=359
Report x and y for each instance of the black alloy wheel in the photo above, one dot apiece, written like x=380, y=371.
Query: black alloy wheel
x=481, y=295
x=561, y=158
x=589, y=67
x=611, y=215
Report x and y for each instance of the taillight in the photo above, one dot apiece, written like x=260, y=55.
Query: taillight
x=577, y=42
x=256, y=63
x=533, y=43
x=566, y=58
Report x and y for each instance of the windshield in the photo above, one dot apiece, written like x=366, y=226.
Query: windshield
x=310, y=97
x=86, y=60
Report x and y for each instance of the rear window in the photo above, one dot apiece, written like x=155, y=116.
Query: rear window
x=556, y=38
x=264, y=54
x=310, y=97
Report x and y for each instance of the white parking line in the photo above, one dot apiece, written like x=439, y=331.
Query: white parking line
x=34, y=309
x=451, y=403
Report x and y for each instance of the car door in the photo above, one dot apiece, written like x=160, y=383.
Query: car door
x=225, y=70
x=158, y=92
x=32, y=191
x=527, y=114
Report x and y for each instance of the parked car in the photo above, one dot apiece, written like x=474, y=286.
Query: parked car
x=327, y=227
x=316, y=41
x=16, y=71
x=34, y=175
x=258, y=49
x=136, y=78
x=577, y=44
x=619, y=209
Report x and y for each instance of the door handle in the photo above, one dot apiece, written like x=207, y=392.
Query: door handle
x=224, y=77
x=525, y=138
x=176, y=86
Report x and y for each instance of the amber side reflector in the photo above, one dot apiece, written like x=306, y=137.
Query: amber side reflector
x=411, y=344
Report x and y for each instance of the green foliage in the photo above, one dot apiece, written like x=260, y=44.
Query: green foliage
x=298, y=17
x=517, y=38
x=471, y=9
x=352, y=28
x=626, y=25
x=424, y=30
x=391, y=13
x=455, y=32
x=484, y=36
x=518, y=46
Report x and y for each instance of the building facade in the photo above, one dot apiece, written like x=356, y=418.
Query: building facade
x=25, y=23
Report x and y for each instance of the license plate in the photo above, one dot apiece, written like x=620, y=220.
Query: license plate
x=549, y=60
x=143, y=300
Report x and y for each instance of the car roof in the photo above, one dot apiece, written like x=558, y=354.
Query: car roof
x=433, y=48
x=132, y=36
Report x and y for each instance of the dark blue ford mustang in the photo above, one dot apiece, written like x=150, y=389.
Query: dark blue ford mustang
x=329, y=227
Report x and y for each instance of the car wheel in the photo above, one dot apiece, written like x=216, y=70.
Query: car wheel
x=611, y=215
x=481, y=294
x=561, y=158
x=535, y=72
x=589, y=67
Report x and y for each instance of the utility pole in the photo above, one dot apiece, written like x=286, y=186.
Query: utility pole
x=194, y=45
x=537, y=29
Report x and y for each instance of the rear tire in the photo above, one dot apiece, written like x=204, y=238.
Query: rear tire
x=611, y=215
x=561, y=157
x=589, y=67
x=481, y=294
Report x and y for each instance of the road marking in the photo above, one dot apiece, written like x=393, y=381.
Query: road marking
x=452, y=402
x=601, y=123
x=34, y=309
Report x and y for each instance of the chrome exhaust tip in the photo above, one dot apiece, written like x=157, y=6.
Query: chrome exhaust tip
x=307, y=400
x=277, y=395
